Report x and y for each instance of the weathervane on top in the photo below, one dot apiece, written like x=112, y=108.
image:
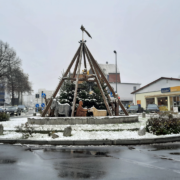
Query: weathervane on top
x=83, y=29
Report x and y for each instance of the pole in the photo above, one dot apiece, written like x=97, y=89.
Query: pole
x=116, y=68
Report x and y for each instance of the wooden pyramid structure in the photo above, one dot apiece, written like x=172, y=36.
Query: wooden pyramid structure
x=97, y=75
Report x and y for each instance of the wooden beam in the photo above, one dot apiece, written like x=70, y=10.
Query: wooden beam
x=84, y=58
x=77, y=80
x=103, y=76
x=98, y=82
x=87, y=77
x=60, y=83
x=75, y=69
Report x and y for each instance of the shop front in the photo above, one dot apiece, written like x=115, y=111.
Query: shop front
x=167, y=99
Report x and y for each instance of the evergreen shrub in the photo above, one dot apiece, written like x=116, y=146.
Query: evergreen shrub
x=164, y=123
x=4, y=116
x=95, y=99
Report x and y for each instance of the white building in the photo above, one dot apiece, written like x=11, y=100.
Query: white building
x=41, y=100
x=165, y=92
x=123, y=89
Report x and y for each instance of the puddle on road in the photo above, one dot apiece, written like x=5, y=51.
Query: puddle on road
x=166, y=158
x=164, y=147
x=131, y=148
x=80, y=175
x=7, y=161
x=175, y=153
x=79, y=151
x=77, y=170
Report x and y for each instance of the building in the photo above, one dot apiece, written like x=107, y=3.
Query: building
x=28, y=100
x=41, y=100
x=165, y=92
x=110, y=72
x=123, y=89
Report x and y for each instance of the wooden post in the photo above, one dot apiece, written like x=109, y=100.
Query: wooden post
x=84, y=58
x=75, y=69
x=103, y=76
x=77, y=80
x=98, y=83
x=60, y=83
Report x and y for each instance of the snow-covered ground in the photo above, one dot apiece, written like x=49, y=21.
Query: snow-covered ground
x=81, y=132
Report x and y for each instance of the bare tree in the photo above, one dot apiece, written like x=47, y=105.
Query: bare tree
x=19, y=83
x=4, y=48
x=11, y=74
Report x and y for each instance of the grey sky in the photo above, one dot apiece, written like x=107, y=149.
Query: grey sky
x=45, y=35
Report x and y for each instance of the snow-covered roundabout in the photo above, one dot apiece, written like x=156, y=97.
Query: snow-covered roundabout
x=119, y=132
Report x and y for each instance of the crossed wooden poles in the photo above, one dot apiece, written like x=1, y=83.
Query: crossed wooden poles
x=97, y=74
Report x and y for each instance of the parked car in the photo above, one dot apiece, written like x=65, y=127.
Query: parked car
x=22, y=108
x=135, y=109
x=13, y=110
x=2, y=110
x=152, y=108
x=121, y=111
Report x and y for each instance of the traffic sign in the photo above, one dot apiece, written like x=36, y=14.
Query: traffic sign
x=42, y=105
x=111, y=94
x=43, y=95
x=42, y=108
x=37, y=95
x=37, y=105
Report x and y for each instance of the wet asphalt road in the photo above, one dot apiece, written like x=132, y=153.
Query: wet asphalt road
x=92, y=162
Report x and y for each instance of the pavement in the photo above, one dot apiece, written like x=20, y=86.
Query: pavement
x=158, y=161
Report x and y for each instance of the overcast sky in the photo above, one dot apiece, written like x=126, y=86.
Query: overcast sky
x=45, y=35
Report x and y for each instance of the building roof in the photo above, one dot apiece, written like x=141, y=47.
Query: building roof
x=109, y=68
x=155, y=82
x=125, y=83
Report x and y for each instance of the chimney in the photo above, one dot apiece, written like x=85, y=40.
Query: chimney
x=106, y=62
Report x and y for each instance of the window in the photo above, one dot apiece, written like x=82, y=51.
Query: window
x=162, y=101
x=134, y=88
x=150, y=101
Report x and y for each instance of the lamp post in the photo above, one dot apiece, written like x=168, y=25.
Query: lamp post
x=116, y=68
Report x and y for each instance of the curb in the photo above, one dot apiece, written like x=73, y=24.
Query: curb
x=93, y=142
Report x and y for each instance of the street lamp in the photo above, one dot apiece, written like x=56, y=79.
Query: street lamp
x=116, y=68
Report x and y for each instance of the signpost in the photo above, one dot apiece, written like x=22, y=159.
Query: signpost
x=37, y=95
x=37, y=105
x=42, y=105
x=43, y=95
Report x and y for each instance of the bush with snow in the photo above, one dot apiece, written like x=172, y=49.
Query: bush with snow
x=164, y=123
x=4, y=116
